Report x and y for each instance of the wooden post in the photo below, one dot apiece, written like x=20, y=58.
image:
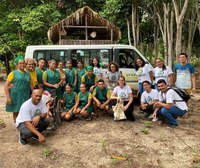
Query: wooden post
x=111, y=35
x=86, y=29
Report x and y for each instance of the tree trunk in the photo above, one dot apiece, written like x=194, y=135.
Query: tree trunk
x=192, y=26
x=133, y=16
x=170, y=38
x=128, y=27
x=179, y=24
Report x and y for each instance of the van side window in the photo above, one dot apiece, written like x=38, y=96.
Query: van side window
x=126, y=58
x=86, y=55
x=58, y=55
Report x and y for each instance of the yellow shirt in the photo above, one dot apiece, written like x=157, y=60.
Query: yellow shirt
x=33, y=75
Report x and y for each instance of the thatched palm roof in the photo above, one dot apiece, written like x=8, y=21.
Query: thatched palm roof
x=78, y=19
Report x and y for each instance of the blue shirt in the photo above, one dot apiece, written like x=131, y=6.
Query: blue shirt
x=183, y=75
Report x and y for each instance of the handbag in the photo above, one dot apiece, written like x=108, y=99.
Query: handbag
x=119, y=111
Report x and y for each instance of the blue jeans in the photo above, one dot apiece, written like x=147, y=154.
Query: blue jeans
x=171, y=114
x=156, y=86
x=141, y=89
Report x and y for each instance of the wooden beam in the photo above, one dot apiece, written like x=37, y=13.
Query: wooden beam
x=111, y=35
x=99, y=27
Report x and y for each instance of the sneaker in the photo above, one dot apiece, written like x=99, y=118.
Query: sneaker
x=151, y=116
x=172, y=126
x=155, y=119
x=21, y=140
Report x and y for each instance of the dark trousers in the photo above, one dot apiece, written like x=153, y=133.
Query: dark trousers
x=149, y=110
x=26, y=133
x=128, y=112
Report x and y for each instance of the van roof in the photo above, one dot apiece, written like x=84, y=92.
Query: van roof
x=78, y=46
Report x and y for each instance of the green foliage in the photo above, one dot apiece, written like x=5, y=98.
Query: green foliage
x=46, y=152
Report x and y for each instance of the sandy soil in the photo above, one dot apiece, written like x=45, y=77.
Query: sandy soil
x=92, y=144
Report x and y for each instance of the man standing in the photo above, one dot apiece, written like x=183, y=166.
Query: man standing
x=185, y=77
x=170, y=104
x=32, y=120
x=148, y=98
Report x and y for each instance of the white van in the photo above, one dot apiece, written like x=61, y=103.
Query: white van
x=123, y=55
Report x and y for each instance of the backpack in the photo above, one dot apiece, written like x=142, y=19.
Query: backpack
x=182, y=93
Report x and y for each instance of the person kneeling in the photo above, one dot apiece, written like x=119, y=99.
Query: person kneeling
x=124, y=94
x=83, y=105
x=101, y=97
x=148, y=99
x=170, y=104
x=32, y=120
x=70, y=99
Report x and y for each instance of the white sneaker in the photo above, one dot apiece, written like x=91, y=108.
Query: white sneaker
x=155, y=119
x=151, y=116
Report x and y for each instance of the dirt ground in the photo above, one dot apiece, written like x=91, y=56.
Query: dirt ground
x=103, y=142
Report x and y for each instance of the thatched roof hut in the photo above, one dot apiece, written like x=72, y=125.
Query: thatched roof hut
x=84, y=27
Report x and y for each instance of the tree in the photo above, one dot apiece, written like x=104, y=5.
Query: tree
x=180, y=11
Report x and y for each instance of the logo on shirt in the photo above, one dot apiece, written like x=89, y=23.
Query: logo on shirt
x=37, y=112
x=122, y=95
x=140, y=71
x=96, y=71
x=149, y=99
x=113, y=78
x=160, y=73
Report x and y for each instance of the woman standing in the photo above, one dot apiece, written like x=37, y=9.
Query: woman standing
x=80, y=72
x=52, y=80
x=161, y=71
x=113, y=75
x=144, y=72
x=97, y=69
x=123, y=93
x=20, y=92
x=30, y=67
x=84, y=105
x=63, y=76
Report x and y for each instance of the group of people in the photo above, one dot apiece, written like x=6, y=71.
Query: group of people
x=29, y=90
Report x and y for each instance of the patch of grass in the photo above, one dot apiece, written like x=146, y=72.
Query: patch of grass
x=46, y=152
x=148, y=124
x=103, y=144
x=146, y=131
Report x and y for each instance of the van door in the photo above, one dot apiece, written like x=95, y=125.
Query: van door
x=125, y=57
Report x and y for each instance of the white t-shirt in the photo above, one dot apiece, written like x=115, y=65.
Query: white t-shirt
x=46, y=96
x=98, y=71
x=149, y=97
x=28, y=111
x=143, y=73
x=113, y=77
x=170, y=97
x=123, y=92
x=159, y=73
